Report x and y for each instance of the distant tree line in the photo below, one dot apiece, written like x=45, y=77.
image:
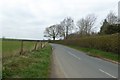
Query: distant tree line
x=66, y=29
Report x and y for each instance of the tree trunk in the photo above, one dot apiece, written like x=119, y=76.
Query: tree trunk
x=53, y=37
x=66, y=32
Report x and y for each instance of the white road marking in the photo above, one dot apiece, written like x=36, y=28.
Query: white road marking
x=107, y=73
x=74, y=55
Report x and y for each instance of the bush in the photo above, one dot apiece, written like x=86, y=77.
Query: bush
x=108, y=43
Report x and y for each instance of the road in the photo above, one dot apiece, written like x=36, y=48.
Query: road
x=75, y=64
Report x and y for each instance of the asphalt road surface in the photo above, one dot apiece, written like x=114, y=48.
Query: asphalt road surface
x=75, y=64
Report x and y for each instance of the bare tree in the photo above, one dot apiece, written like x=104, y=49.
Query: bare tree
x=66, y=27
x=81, y=26
x=86, y=24
x=61, y=30
x=51, y=32
x=111, y=18
x=90, y=21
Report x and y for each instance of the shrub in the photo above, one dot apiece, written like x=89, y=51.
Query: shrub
x=109, y=43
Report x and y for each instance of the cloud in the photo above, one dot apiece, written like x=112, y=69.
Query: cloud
x=29, y=18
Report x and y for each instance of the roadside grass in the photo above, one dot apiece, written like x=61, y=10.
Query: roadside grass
x=36, y=64
x=97, y=53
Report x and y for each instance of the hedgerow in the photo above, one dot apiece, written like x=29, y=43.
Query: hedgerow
x=108, y=43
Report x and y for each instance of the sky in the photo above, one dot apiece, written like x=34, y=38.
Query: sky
x=27, y=19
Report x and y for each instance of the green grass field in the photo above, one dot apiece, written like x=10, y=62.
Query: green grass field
x=11, y=48
x=36, y=64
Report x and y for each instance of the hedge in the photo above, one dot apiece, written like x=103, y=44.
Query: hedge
x=108, y=43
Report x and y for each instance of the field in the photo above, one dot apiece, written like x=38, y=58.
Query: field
x=33, y=63
x=12, y=48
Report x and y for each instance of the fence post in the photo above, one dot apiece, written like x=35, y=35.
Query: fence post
x=21, y=50
x=41, y=44
x=35, y=47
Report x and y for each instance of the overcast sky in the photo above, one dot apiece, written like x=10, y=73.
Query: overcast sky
x=29, y=18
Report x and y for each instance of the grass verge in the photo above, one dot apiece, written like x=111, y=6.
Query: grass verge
x=98, y=53
x=32, y=65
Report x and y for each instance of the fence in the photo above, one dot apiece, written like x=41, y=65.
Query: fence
x=20, y=47
x=36, y=46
